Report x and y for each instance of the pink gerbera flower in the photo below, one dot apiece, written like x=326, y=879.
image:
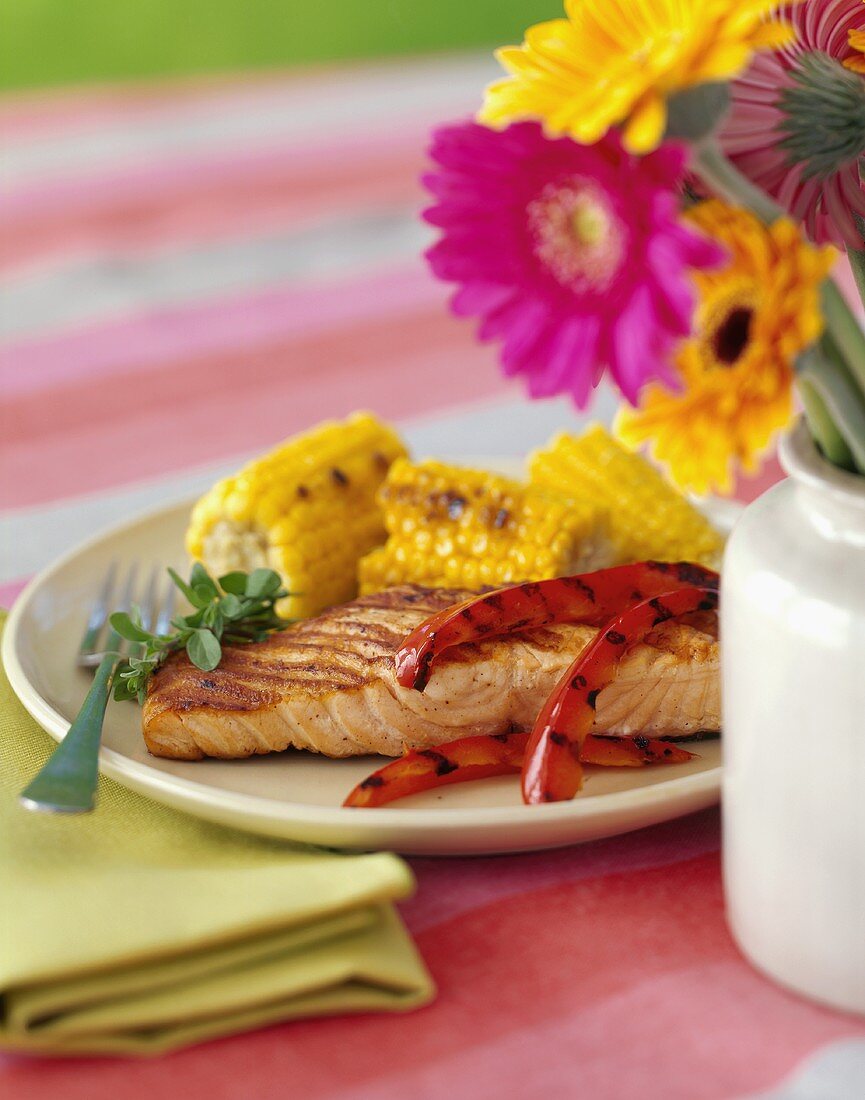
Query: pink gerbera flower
x=573, y=256
x=797, y=124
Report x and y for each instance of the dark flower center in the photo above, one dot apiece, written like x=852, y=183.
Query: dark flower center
x=731, y=337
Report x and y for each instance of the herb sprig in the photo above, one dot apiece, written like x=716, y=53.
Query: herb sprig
x=238, y=608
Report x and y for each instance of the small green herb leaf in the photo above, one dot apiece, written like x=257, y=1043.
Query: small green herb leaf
x=230, y=606
x=123, y=690
x=234, y=583
x=200, y=579
x=239, y=609
x=203, y=594
x=126, y=628
x=262, y=583
x=204, y=650
x=188, y=591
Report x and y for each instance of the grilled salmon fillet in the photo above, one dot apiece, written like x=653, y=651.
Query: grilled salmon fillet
x=328, y=684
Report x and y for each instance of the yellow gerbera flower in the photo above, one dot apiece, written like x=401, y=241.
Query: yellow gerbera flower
x=856, y=41
x=617, y=61
x=754, y=316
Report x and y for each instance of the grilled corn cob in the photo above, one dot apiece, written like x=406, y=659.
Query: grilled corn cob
x=648, y=517
x=458, y=528
x=307, y=510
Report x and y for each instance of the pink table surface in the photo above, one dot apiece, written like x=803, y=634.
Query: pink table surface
x=196, y=271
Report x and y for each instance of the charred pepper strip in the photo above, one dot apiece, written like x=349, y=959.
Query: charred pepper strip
x=588, y=598
x=456, y=762
x=552, y=771
x=631, y=752
x=499, y=754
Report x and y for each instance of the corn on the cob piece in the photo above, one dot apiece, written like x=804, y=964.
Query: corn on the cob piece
x=307, y=510
x=649, y=518
x=453, y=527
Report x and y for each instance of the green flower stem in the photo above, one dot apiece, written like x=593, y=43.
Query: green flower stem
x=838, y=372
x=728, y=183
x=826, y=435
x=844, y=331
x=822, y=367
x=857, y=262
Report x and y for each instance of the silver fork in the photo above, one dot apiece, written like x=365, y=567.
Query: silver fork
x=67, y=783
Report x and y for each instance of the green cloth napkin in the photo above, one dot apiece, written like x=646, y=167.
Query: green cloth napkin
x=138, y=929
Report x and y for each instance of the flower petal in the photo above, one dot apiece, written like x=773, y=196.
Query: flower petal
x=569, y=362
x=559, y=314
x=645, y=128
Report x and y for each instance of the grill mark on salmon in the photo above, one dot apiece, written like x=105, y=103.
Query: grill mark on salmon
x=328, y=685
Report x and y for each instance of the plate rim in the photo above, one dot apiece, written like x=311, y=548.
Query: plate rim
x=257, y=809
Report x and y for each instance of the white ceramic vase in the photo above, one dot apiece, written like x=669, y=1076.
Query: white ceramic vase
x=793, y=646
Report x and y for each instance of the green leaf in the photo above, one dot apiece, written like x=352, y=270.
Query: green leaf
x=200, y=578
x=234, y=583
x=204, y=650
x=194, y=598
x=214, y=619
x=205, y=596
x=194, y=620
x=240, y=608
x=128, y=629
x=230, y=606
x=123, y=691
x=262, y=583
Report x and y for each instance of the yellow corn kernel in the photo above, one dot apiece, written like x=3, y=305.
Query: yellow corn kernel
x=648, y=517
x=307, y=509
x=461, y=528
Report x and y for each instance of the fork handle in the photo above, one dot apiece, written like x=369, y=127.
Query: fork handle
x=67, y=783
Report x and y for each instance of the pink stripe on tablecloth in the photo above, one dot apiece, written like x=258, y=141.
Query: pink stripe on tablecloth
x=228, y=202
x=81, y=436
x=749, y=488
x=42, y=113
x=452, y=887
x=10, y=590
x=594, y=986
x=235, y=325
x=102, y=184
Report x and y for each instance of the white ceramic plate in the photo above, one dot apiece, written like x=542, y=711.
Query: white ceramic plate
x=298, y=795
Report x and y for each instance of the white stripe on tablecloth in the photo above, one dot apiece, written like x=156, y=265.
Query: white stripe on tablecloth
x=835, y=1071
x=509, y=427
x=106, y=286
x=326, y=103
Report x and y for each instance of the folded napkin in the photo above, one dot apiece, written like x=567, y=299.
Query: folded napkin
x=138, y=929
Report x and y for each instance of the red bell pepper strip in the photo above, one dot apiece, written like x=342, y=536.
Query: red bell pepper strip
x=552, y=771
x=630, y=752
x=498, y=754
x=455, y=762
x=588, y=598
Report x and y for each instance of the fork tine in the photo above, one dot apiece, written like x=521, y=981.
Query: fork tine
x=112, y=640
x=148, y=602
x=163, y=620
x=99, y=613
x=125, y=601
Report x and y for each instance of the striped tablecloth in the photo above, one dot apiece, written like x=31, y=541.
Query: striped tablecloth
x=193, y=272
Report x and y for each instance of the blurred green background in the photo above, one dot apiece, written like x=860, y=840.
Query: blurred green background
x=49, y=42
